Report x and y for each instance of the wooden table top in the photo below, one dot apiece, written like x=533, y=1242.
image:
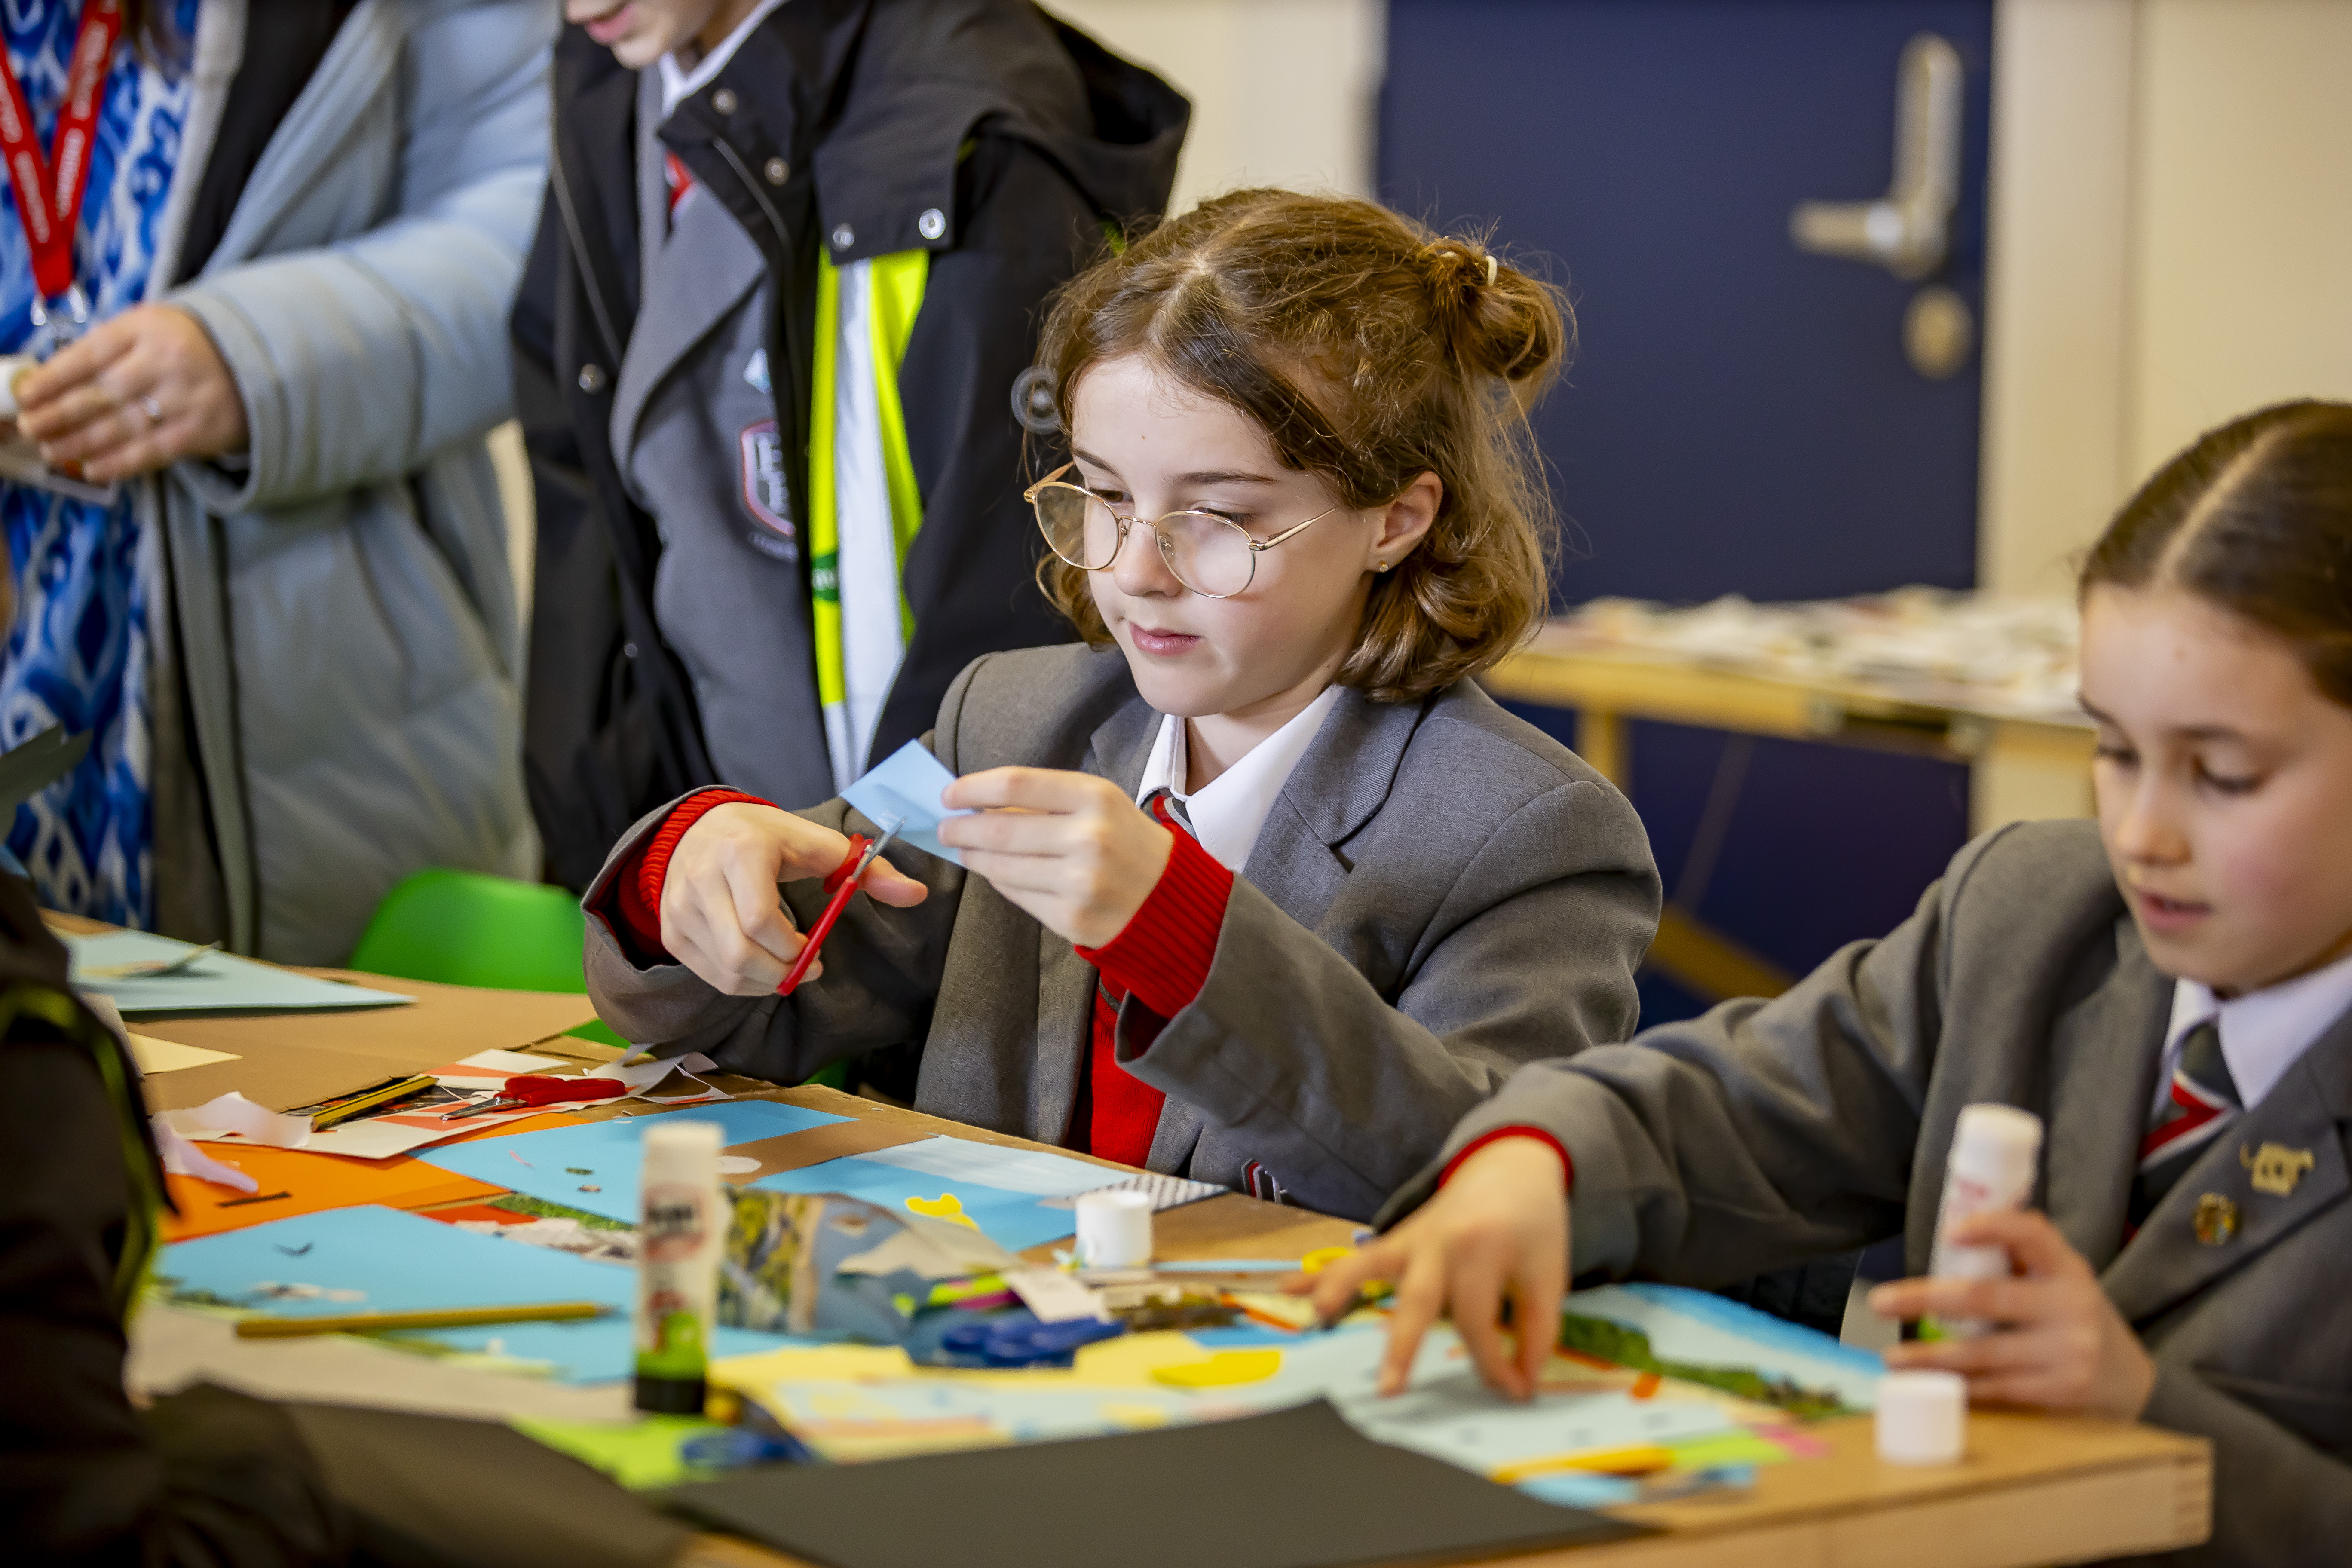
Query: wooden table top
x=2033, y=1489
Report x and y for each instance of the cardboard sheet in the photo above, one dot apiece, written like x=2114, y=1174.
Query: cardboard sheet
x=1296, y=1488
x=809, y=1146
x=298, y=1059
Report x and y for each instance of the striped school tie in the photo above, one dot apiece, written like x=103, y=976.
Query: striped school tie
x=2204, y=1100
x=1176, y=808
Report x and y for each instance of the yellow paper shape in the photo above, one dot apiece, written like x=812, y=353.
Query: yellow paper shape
x=946, y=1206
x=155, y=1055
x=1224, y=1370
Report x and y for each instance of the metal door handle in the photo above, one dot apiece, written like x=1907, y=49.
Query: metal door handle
x=1908, y=230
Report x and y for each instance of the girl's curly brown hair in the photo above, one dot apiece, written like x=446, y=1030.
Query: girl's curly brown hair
x=1371, y=351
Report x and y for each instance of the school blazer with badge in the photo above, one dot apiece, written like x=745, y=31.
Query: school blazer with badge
x=978, y=150
x=1439, y=893
x=1769, y=1132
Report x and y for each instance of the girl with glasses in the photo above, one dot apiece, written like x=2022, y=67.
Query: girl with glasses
x=1257, y=886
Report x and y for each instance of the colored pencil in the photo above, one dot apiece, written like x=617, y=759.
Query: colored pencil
x=443, y=1318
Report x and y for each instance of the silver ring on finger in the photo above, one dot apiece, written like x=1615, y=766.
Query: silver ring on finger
x=152, y=408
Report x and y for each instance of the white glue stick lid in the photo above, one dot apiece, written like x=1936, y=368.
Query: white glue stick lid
x=1999, y=1143
x=1921, y=1417
x=687, y=1146
x=1114, y=1229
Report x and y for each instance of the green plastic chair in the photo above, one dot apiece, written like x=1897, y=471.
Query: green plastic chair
x=463, y=928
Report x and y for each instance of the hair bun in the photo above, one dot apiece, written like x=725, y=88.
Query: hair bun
x=1498, y=321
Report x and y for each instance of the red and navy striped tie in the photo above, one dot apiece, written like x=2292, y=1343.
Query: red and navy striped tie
x=2203, y=1101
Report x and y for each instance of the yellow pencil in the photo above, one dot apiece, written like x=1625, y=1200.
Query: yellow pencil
x=1639, y=1459
x=443, y=1318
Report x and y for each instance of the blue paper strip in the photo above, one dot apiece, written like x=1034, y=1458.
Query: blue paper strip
x=905, y=788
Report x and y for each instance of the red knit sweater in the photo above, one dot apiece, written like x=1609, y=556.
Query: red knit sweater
x=1161, y=958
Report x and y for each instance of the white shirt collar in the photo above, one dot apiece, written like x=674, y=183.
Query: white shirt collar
x=1227, y=811
x=2263, y=1032
x=681, y=85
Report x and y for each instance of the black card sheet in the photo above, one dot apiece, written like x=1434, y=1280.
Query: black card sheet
x=1294, y=1488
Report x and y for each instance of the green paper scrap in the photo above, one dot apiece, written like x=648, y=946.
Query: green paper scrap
x=1630, y=1348
x=642, y=1455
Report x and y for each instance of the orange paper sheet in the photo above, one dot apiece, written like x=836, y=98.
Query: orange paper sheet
x=314, y=1182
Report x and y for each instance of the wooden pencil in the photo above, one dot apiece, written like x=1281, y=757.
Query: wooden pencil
x=443, y=1318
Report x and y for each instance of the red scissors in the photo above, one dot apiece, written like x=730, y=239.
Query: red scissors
x=844, y=882
x=526, y=1089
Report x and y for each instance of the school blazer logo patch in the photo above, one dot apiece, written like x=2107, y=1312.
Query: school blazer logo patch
x=765, y=494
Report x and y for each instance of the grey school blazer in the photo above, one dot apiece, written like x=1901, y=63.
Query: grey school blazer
x=1439, y=894
x=1765, y=1133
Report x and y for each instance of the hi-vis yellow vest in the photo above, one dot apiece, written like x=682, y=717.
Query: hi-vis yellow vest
x=865, y=509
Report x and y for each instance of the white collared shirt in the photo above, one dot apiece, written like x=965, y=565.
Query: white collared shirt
x=1227, y=811
x=678, y=86
x=2263, y=1032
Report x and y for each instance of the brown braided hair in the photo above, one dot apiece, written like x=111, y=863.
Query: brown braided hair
x=1371, y=349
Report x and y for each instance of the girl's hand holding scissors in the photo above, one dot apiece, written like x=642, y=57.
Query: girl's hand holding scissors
x=719, y=913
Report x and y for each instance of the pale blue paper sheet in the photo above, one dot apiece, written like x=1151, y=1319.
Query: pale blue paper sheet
x=905, y=788
x=1030, y=1171
x=218, y=982
x=401, y=1262
x=551, y=1164
x=1015, y=1220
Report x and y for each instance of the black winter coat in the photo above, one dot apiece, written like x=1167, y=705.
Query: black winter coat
x=835, y=116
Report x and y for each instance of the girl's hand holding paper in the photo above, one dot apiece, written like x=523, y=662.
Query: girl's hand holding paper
x=719, y=913
x=1070, y=848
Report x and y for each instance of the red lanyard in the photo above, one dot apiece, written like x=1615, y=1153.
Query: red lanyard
x=50, y=214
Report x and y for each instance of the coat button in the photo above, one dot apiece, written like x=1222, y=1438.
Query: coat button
x=723, y=101
x=777, y=171
x=628, y=651
x=932, y=224
x=844, y=237
x=591, y=379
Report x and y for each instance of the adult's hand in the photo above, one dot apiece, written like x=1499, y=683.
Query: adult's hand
x=2061, y=1344
x=134, y=394
x=720, y=915
x=1070, y=848
x=1496, y=1230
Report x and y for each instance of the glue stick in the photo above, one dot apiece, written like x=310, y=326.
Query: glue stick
x=682, y=1230
x=1996, y=1149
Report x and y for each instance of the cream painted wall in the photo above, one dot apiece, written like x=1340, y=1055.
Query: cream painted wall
x=2171, y=245
x=2241, y=235
x=1283, y=91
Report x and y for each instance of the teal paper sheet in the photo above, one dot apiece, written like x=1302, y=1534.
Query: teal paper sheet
x=219, y=982
x=374, y=1259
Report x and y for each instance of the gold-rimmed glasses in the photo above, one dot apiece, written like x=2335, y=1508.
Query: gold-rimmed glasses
x=1213, y=557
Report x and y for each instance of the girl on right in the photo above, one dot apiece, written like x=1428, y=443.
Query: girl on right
x=2170, y=990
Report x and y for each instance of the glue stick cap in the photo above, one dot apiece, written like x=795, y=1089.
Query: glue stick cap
x=1921, y=1417
x=683, y=1135
x=1990, y=1141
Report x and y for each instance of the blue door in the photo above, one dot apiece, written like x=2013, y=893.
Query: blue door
x=1744, y=414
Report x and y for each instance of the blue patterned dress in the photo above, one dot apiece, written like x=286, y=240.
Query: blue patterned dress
x=85, y=575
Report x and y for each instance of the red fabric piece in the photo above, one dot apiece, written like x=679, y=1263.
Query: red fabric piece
x=1163, y=957
x=679, y=178
x=633, y=891
x=1496, y=1136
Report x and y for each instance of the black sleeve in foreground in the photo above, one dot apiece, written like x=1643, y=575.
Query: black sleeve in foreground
x=208, y=1478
